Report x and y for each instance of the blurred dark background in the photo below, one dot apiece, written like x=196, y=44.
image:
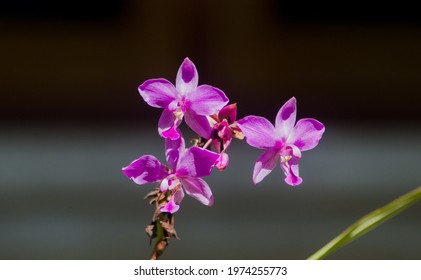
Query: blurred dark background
x=71, y=117
x=84, y=59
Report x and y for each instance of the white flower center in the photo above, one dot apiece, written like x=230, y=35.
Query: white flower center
x=285, y=159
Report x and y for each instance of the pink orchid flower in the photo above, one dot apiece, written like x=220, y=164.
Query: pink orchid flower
x=224, y=128
x=184, y=100
x=184, y=169
x=285, y=141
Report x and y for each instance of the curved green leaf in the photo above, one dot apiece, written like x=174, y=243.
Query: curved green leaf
x=368, y=222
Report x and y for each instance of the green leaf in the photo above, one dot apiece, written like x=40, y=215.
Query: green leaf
x=368, y=222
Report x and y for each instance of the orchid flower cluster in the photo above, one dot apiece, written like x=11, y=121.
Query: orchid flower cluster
x=206, y=111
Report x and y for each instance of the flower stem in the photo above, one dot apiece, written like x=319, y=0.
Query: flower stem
x=368, y=222
x=207, y=144
x=161, y=240
x=160, y=247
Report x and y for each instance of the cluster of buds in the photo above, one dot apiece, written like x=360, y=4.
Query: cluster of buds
x=204, y=109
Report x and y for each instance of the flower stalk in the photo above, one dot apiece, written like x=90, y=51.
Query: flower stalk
x=162, y=239
x=162, y=226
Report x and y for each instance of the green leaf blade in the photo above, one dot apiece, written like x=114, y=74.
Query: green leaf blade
x=368, y=223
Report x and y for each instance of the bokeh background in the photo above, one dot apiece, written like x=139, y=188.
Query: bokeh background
x=71, y=117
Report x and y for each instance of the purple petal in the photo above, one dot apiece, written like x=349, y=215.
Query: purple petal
x=178, y=195
x=198, y=124
x=158, y=93
x=198, y=189
x=171, y=133
x=307, y=134
x=196, y=162
x=290, y=169
x=265, y=164
x=187, y=77
x=146, y=169
x=207, y=100
x=285, y=119
x=173, y=150
x=228, y=113
x=259, y=132
x=167, y=125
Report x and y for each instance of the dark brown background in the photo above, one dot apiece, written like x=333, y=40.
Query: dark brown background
x=81, y=61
